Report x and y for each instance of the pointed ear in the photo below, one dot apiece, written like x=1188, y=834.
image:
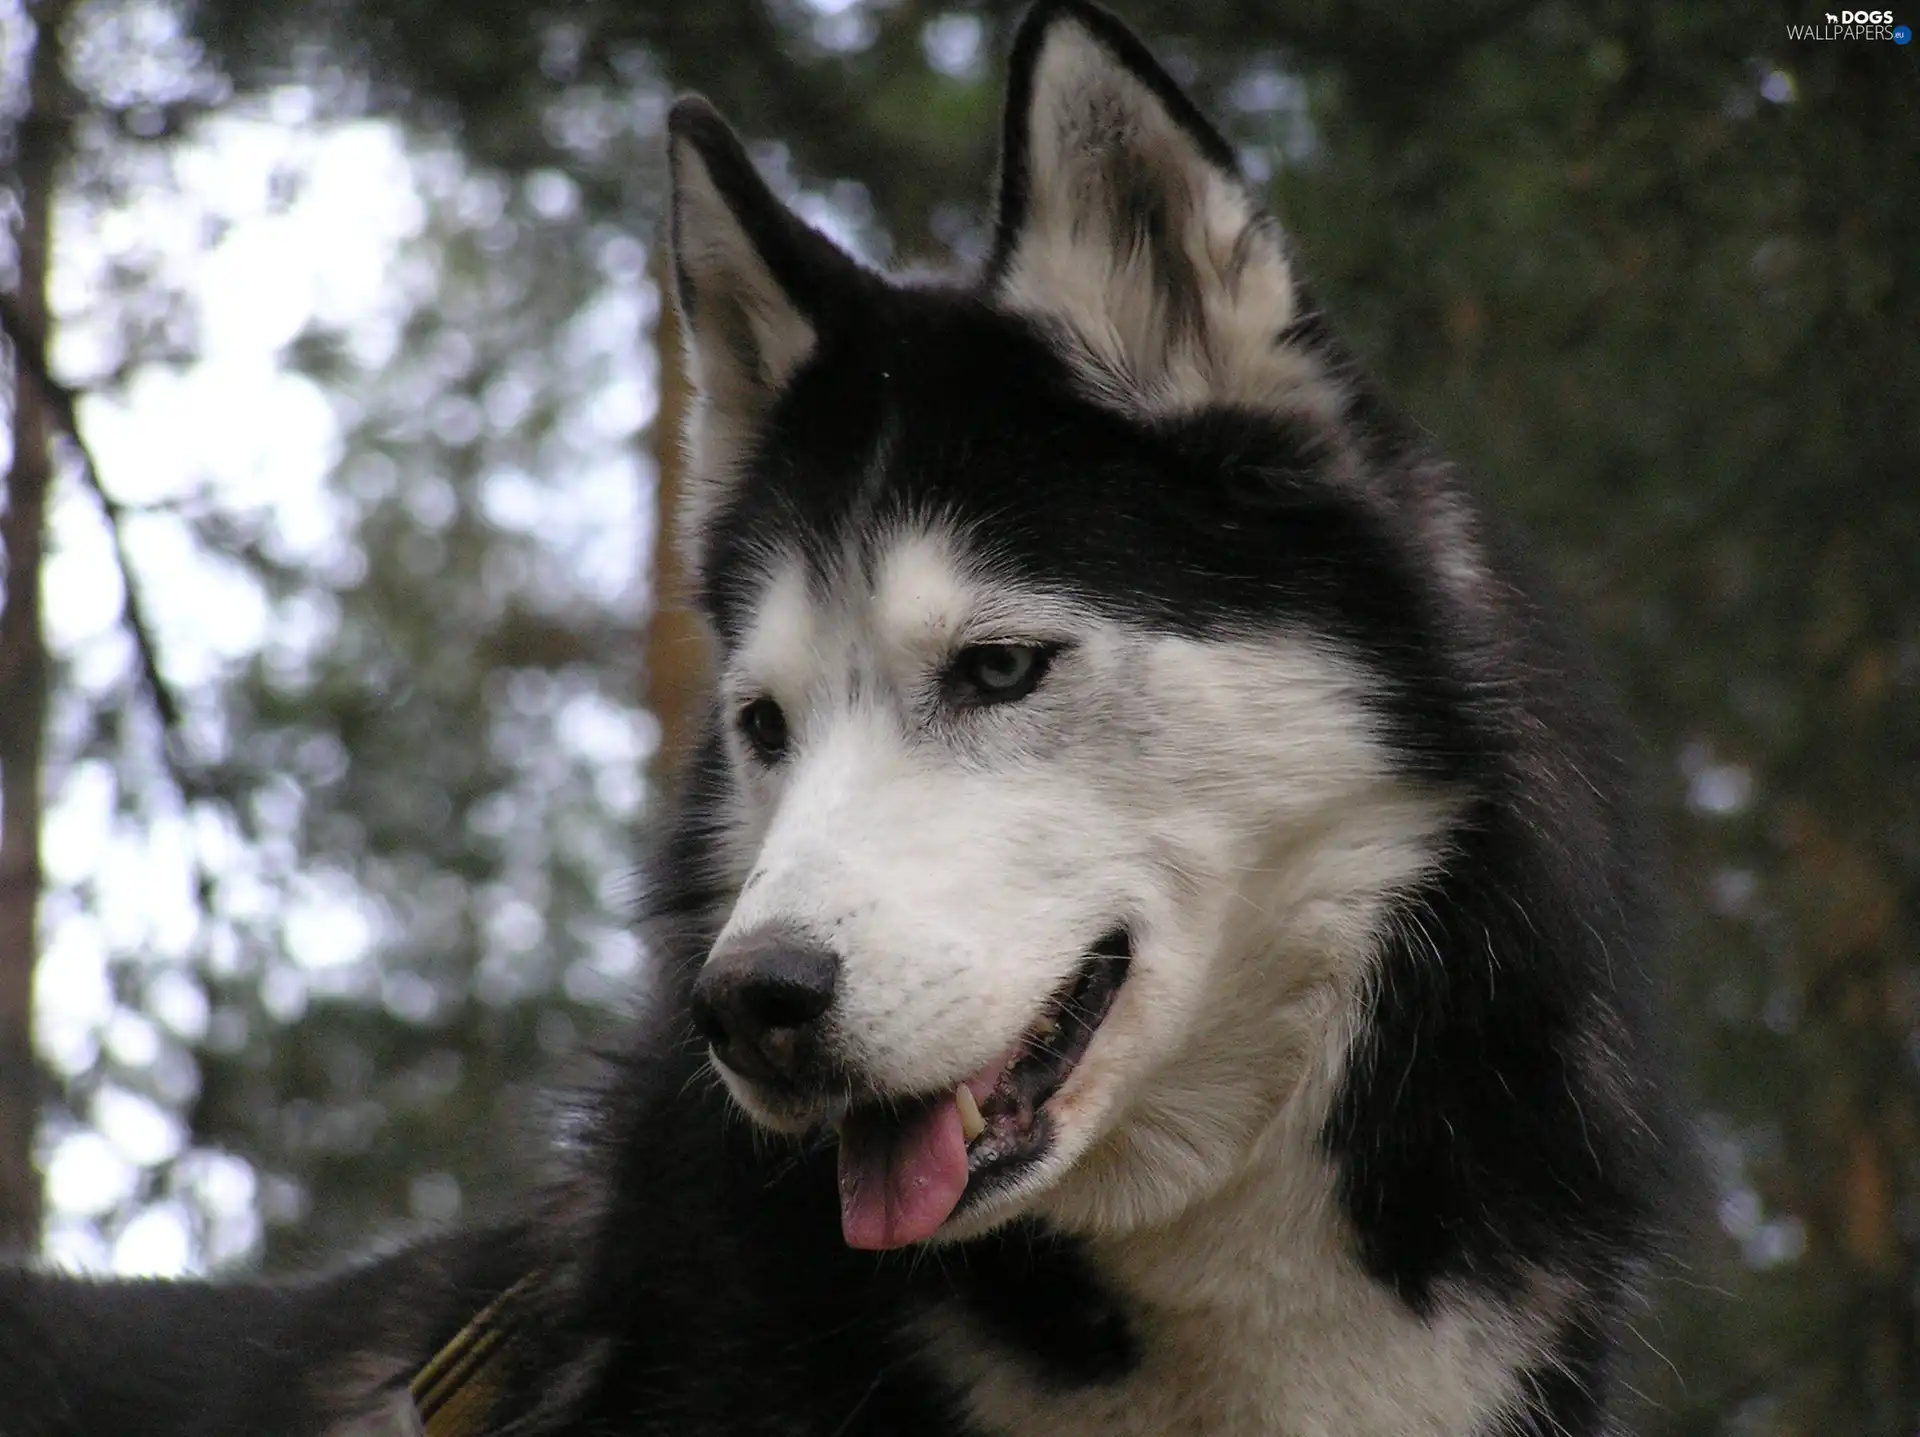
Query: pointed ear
x=754, y=285
x=1125, y=226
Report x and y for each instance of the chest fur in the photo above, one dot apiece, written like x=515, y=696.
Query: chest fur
x=1270, y=1328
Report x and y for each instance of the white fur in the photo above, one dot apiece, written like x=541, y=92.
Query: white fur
x=1256, y=1321
x=1227, y=800
x=1255, y=1318
x=1092, y=127
x=1232, y=802
x=744, y=337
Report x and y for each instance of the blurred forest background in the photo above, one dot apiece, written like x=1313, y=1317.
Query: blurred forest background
x=353, y=305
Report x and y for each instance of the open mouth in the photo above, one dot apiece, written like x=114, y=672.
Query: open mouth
x=907, y=1165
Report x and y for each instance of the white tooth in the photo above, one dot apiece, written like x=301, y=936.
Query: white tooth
x=1046, y=1028
x=971, y=1123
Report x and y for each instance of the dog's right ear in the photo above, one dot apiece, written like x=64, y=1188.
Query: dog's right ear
x=1126, y=228
x=754, y=284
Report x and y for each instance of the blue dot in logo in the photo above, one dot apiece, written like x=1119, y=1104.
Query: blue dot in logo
x=1902, y=34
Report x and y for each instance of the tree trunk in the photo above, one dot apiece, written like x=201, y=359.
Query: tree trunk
x=23, y=650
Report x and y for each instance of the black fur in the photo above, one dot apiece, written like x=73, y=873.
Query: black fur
x=1499, y=1119
x=173, y=1359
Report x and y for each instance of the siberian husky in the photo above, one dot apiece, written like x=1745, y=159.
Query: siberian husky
x=1162, y=891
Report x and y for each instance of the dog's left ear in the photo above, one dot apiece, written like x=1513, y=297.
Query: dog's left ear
x=1125, y=226
x=756, y=289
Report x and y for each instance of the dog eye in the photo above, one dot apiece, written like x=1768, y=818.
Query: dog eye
x=997, y=673
x=764, y=726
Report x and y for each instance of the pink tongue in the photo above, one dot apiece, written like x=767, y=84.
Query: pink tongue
x=900, y=1176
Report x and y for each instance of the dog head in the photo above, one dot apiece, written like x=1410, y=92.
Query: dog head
x=1065, y=776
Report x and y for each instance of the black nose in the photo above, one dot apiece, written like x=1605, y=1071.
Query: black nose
x=759, y=1002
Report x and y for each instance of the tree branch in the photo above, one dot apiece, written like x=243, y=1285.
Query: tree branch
x=30, y=355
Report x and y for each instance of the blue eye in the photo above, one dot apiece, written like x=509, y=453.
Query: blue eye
x=998, y=673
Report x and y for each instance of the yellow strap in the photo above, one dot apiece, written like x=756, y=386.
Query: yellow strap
x=455, y=1391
